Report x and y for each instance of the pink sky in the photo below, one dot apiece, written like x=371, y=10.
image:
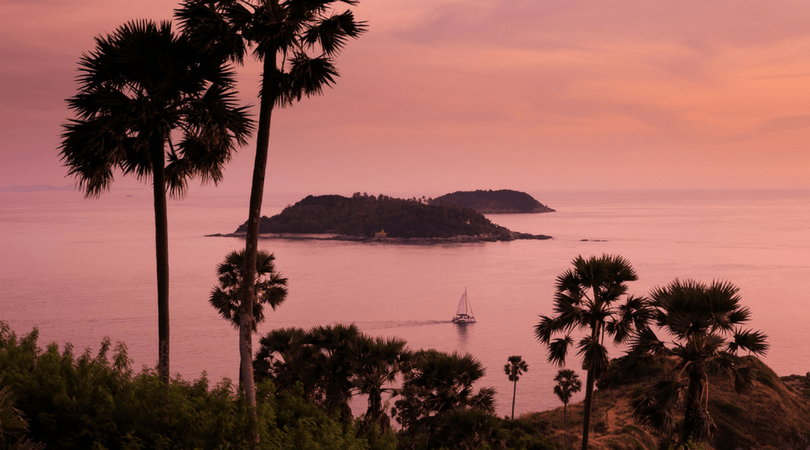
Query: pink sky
x=446, y=95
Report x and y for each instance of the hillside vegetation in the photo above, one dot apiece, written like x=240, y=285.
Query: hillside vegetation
x=504, y=201
x=772, y=416
x=366, y=215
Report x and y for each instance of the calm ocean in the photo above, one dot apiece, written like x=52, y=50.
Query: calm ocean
x=80, y=270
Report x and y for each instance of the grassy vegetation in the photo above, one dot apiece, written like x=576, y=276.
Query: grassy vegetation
x=772, y=416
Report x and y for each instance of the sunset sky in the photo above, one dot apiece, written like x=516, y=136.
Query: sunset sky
x=445, y=95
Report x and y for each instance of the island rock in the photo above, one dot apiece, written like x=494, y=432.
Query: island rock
x=369, y=218
x=504, y=201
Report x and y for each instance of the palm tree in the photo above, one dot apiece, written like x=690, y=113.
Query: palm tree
x=587, y=299
x=379, y=363
x=704, y=322
x=324, y=360
x=436, y=384
x=139, y=89
x=567, y=385
x=282, y=33
x=336, y=362
x=514, y=369
x=270, y=287
x=13, y=426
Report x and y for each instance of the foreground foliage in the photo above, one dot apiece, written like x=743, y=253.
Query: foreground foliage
x=98, y=401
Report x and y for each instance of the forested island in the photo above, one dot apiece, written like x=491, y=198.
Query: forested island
x=366, y=217
x=504, y=201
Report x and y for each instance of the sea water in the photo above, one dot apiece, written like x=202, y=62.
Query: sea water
x=80, y=270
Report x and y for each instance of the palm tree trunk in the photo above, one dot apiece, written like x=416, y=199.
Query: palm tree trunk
x=161, y=256
x=586, y=413
x=268, y=98
x=514, y=392
x=693, y=397
x=565, y=425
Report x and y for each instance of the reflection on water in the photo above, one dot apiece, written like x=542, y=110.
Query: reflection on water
x=461, y=332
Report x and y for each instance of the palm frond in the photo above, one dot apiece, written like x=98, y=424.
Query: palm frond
x=594, y=356
x=748, y=340
x=655, y=409
x=558, y=350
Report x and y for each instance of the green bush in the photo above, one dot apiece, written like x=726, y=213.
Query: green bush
x=91, y=402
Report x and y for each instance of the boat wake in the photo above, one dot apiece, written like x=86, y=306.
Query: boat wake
x=400, y=324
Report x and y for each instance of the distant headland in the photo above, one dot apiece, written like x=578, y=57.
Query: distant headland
x=504, y=201
x=363, y=217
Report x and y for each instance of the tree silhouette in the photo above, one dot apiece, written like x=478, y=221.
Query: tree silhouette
x=379, y=363
x=514, y=369
x=283, y=34
x=568, y=384
x=438, y=384
x=270, y=287
x=142, y=87
x=705, y=324
x=587, y=299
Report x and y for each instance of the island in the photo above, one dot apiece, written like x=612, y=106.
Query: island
x=364, y=217
x=504, y=201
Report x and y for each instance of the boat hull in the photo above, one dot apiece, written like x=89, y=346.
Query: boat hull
x=467, y=319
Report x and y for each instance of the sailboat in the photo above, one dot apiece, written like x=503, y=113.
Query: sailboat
x=464, y=313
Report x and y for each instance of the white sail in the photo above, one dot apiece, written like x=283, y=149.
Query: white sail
x=462, y=304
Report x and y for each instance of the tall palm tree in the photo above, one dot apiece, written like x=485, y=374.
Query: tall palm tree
x=568, y=384
x=704, y=322
x=297, y=42
x=587, y=299
x=270, y=287
x=514, y=368
x=141, y=88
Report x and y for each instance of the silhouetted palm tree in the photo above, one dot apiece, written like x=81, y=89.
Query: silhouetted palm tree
x=270, y=287
x=705, y=324
x=587, y=299
x=324, y=360
x=436, y=384
x=283, y=34
x=514, y=369
x=379, y=363
x=141, y=88
x=567, y=385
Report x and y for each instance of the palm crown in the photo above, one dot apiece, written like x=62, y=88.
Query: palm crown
x=300, y=38
x=270, y=287
x=139, y=85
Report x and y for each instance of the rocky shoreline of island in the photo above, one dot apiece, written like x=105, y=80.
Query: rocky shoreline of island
x=513, y=236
